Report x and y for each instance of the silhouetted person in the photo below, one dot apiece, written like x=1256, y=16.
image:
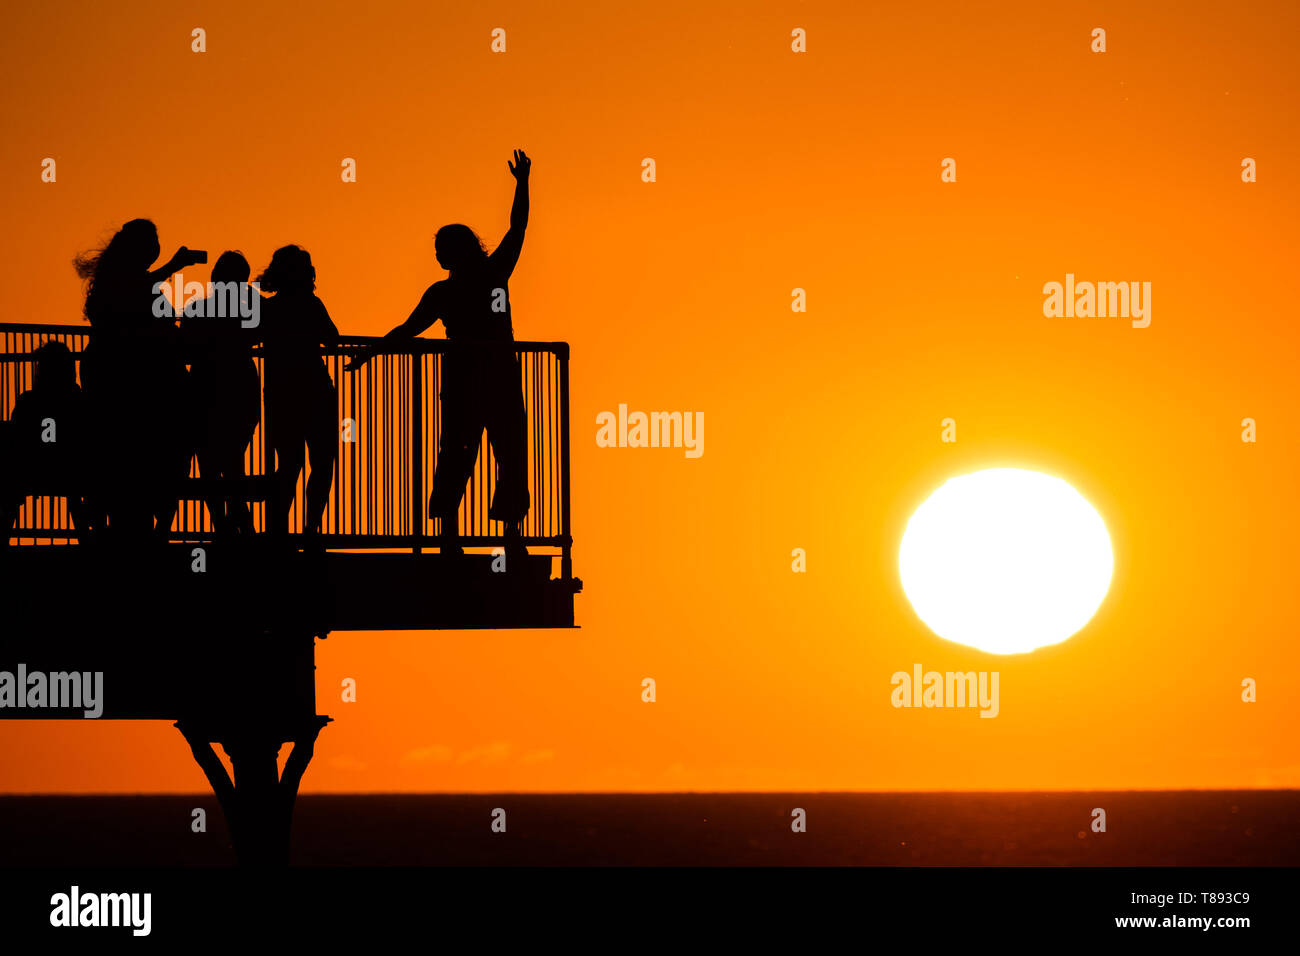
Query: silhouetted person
x=226, y=388
x=481, y=385
x=301, y=401
x=44, y=441
x=135, y=381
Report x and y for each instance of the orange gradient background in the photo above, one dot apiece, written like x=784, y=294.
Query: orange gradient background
x=822, y=430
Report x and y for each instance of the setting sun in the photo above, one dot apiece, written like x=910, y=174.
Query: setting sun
x=1006, y=560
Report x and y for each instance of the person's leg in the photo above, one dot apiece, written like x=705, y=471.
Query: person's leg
x=457, y=452
x=507, y=428
x=80, y=516
x=63, y=481
x=132, y=479
x=91, y=477
x=238, y=515
x=290, y=454
x=287, y=443
x=134, y=496
x=508, y=436
x=225, y=452
x=210, y=471
x=177, y=442
x=167, y=492
x=322, y=444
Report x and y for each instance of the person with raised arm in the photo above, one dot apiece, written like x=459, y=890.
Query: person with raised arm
x=481, y=383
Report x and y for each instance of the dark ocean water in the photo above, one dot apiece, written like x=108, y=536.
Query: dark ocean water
x=1175, y=828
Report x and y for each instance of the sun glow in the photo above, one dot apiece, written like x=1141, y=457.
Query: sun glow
x=1005, y=560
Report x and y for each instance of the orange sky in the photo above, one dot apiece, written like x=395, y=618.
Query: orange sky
x=775, y=171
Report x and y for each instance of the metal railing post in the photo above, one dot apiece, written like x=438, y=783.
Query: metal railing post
x=566, y=531
x=417, y=450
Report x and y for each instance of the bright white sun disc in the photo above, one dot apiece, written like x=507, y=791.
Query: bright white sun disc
x=1006, y=560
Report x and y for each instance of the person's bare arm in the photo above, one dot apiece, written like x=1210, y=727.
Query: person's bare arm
x=425, y=313
x=506, y=255
x=180, y=259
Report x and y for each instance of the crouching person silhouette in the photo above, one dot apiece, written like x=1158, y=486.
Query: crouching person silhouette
x=44, y=441
x=481, y=384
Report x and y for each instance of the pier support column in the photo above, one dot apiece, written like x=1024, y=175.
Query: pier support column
x=258, y=803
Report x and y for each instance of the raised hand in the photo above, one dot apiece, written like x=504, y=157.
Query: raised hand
x=522, y=165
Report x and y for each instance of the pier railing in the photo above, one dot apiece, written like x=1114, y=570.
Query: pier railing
x=389, y=426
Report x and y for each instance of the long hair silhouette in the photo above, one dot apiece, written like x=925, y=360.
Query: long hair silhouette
x=113, y=272
x=301, y=400
x=290, y=270
x=458, y=248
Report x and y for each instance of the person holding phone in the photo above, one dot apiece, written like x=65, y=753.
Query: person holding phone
x=135, y=380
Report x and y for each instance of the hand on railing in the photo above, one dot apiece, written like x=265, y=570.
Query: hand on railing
x=356, y=361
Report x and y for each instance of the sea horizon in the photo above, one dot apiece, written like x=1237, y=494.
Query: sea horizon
x=1247, y=827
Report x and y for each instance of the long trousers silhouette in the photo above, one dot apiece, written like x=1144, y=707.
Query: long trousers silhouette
x=478, y=397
